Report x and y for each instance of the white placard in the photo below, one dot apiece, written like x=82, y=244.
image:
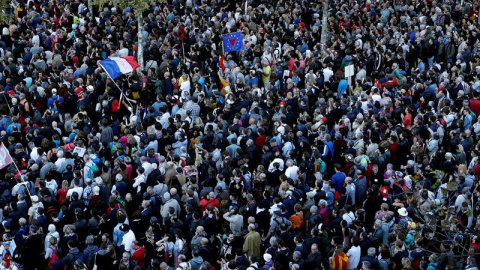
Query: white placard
x=349, y=70
x=80, y=151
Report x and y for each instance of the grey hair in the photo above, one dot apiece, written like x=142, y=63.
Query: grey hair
x=289, y=162
x=273, y=241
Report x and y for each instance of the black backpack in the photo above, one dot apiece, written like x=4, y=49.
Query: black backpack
x=36, y=116
x=91, y=257
x=6, y=195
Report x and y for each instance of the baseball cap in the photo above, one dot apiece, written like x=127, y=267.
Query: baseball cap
x=267, y=257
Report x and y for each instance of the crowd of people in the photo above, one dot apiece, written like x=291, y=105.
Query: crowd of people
x=262, y=158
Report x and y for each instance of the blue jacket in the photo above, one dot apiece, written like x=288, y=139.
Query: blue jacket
x=121, y=187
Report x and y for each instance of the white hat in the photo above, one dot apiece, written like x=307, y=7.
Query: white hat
x=90, y=88
x=34, y=198
x=98, y=180
x=403, y=212
x=267, y=257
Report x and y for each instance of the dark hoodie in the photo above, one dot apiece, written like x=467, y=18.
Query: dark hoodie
x=73, y=255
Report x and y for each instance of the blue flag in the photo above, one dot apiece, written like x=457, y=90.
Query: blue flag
x=232, y=42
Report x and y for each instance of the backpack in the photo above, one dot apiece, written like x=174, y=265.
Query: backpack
x=443, y=123
x=298, y=194
x=277, y=230
x=36, y=116
x=53, y=258
x=319, y=166
x=364, y=161
x=91, y=170
x=168, y=257
x=90, y=260
x=6, y=195
x=402, y=185
x=98, y=162
x=150, y=85
x=31, y=188
x=158, y=87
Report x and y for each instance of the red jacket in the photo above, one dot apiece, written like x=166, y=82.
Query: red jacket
x=475, y=106
x=260, y=141
x=139, y=257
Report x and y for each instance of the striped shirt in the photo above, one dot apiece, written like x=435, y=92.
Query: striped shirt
x=340, y=262
x=194, y=110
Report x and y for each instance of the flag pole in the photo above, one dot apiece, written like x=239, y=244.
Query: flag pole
x=6, y=101
x=18, y=170
x=223, y=49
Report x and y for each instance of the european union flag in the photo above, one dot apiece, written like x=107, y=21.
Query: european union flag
x=232, y=42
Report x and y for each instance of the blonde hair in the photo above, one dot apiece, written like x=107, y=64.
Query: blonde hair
x=406, y=263
x=65, y=184
x=462, y=168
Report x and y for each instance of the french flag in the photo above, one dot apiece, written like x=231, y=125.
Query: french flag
x=117, y=66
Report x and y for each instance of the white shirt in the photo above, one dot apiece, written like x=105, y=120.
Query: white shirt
x=327, y=73
x=34, y=153
x=139, y=180
x=291, y=172
x=53, y=186
x=148, y=168
x=36, y=40
x=79, y=191
x=185, y=86
x=280, y=162
x=128, y=238
x=376, y=97
x=59, y=162
x=353, y=257
x=348, y=217
x=458, y=202
x=48, y=55
x=164, y=120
